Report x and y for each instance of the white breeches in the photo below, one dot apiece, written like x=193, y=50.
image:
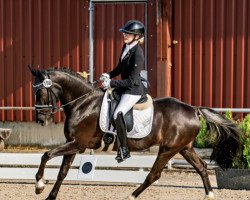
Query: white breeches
x=126, y=103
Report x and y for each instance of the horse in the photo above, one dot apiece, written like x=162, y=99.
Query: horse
x=174, y=128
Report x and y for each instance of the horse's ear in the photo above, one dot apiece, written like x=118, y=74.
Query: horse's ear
x=32, y=70
x=39, y=74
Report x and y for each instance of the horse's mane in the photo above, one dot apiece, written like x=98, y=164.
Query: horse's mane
x=68, y=71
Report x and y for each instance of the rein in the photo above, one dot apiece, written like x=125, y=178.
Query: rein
x=58, y=108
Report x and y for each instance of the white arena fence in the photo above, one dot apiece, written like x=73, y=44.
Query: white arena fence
x=90, y=168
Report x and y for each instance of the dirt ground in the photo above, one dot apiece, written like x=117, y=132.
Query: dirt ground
x=177, y=185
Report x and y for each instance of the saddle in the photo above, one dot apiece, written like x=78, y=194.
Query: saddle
x=115, y=98
x=138, y=120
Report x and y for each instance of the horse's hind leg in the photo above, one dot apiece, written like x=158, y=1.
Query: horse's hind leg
x=155, y=172
x=69, y=148
x=201, y=167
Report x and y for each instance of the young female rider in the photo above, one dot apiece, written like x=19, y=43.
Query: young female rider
x=130, y=87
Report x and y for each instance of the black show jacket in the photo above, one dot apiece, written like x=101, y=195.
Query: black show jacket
x=130, y=68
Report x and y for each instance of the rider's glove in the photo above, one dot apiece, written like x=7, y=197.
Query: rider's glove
x=106, y=84
x=105, y=78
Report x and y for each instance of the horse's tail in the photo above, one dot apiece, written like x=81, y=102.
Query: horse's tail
x=227, y=142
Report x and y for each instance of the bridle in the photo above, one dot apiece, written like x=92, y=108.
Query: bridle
x=50, y=109
x=46, y=84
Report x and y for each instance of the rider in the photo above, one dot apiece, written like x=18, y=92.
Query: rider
x=130, y=87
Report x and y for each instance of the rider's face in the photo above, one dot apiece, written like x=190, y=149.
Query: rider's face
x=128, y=37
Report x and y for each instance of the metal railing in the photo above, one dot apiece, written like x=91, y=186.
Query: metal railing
x=234, y=110
x=19, y=108
x=16, y=108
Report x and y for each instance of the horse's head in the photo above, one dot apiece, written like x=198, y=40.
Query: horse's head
x=46, y=96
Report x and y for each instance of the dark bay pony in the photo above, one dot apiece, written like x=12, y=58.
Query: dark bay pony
x=175, y=127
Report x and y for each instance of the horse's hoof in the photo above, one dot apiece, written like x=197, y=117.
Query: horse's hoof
x=39, y=186
x=210, y=196
x=131, y=197
x=39, y=190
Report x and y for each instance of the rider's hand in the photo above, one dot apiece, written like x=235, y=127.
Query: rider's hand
x=105, y=84
x=105, y=81
x=104, y=76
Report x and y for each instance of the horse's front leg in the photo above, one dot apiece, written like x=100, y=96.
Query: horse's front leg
x=69, y=148
x=66, y=163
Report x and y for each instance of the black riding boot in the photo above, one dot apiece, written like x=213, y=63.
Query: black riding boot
x=123, y=151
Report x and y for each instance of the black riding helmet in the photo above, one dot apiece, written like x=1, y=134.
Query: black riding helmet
x=133, y=27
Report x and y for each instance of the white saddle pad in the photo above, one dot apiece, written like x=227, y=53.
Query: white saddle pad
x=143, y=120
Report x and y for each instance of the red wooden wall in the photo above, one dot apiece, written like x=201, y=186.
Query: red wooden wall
x=211, y=62
x=209, y=66
x=49, y=33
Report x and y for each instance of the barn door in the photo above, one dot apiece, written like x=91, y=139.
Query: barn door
x=107, y=40
x=165, y=45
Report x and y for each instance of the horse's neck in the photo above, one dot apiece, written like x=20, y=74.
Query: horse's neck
x=73, y=88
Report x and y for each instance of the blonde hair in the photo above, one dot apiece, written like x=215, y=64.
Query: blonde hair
x=141, y=40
